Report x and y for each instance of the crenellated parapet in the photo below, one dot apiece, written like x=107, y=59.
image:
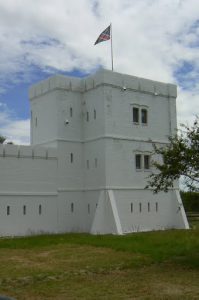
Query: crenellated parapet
x=54, y=83
x=103, y=77
x=21, y=151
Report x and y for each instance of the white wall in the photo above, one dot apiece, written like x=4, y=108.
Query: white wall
x=27, y=178
x=75, y=196
x=167, y=216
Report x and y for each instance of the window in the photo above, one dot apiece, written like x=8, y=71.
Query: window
x=148, y=206
x=94, y=112
x=71, y=157
x=40, y=209
x=135, y=115
x=140, y=207
x=140, y=115
x=71, y=111
x=144, y=116
x=138, y=161
x=88, y=208
x=131, y=207
x=72, y=207
x=142, y=162
x=156, y=206
x=36, y=122
x=24, y=210
x=146, y=162
x=8, y=210
x=87, y=116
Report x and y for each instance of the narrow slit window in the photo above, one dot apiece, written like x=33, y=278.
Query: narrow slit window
x=40, y=209
x=131, y=207
x=156, y=206
x=71, y=111
x=72, y=207
x=144, y=116
x=8, y=210
x=24, y=210
x=88, y=208
x=149, y=207
x=87, y=116
x=71, y=157
x=36, y=122
x=146, y=162
x=94, y=114
x=140, y=207
x=138, y=162
x=135, y=115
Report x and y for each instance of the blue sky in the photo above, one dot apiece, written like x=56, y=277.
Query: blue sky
x=155, y=39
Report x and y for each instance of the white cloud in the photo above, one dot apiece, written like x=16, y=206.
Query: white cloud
x=151, y=38
x=16, y=131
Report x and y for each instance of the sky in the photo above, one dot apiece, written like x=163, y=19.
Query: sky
x=154, y=39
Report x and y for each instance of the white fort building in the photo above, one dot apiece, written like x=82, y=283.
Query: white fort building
x=86, y=168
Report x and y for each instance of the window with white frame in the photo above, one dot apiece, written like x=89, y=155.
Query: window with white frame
x=140, y=115
x=138, y=161
x=142, y=162
x=146, y=162
x=144, y=116
x=136, y=115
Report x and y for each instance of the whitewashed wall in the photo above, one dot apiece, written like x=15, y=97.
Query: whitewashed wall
x=27, y=178
x=81, y=166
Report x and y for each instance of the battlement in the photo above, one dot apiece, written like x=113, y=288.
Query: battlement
x=56, y=82
x=103, y=77
x=27, y=151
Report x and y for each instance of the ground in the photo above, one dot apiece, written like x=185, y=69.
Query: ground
x=155, y=265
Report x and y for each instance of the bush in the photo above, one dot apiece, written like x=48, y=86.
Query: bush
x=190, y=201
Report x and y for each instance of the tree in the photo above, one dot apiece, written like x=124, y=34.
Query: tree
x=179, y=158
x=2, y=139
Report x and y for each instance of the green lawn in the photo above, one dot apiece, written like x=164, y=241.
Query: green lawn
x=155, y=265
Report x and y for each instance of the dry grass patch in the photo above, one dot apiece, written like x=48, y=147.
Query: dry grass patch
x=67, y=267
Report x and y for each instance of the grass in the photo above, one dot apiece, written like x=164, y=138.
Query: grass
x=193, y=221
x=155, y=265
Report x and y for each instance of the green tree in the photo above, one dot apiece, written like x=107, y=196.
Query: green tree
x=179, y=158
x=2, y=139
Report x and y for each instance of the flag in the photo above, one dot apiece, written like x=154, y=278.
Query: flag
x=104, y=36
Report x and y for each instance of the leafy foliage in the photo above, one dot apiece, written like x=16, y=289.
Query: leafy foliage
x=2, y=139
x=190, y=201
x=180, y=158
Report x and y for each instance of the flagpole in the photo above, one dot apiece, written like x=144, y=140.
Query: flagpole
x=111, y=47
